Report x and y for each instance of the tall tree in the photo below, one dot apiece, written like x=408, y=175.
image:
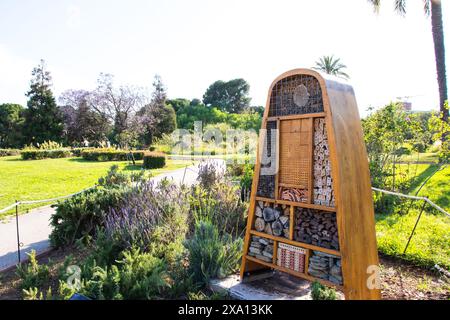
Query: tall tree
x=331, y=65
x=433, y=8
x=117, y=104
x=157, y=117
x=231, y=96
x=43, y=120
x=81, y=122
x=11, y=123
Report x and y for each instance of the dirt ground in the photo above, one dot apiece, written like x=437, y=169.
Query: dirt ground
x=400, y=281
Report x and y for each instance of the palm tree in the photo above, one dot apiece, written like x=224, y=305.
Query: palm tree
x=331, y=65
x=433, y=8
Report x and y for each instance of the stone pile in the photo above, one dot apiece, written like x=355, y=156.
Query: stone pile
x=316, y=227
x=272, y=220
x=325, y=266
x=261, y=248
x=323, y=183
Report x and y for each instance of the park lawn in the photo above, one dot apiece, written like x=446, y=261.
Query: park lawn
x=422, y=157
x=49, y=178
x=438, y=188
x=430, y=244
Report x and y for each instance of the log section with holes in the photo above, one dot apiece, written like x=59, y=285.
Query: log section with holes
x=311, y=211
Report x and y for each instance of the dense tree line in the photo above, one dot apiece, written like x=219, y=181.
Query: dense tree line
x=123, y=115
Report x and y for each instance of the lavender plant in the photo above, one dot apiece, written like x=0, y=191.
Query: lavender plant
x=151, y=219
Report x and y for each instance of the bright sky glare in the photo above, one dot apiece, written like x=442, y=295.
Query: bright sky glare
x=193, y=43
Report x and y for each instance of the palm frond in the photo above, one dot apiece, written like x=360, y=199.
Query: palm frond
x=376, y=5
x=400, y=7
x=427, y=7
x=331, y=65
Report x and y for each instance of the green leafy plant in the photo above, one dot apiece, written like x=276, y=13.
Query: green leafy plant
x=80, y=215
x=115, y=178
x=211, y=255
x=154, y=160
x=221, y=204
x=35, y=294
x=109, y=154
x=32, y=274
x=321, y=292
x=9, y=152
x=45, y=154
x=136, y=275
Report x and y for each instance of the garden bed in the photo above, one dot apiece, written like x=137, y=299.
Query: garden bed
x=400, y=281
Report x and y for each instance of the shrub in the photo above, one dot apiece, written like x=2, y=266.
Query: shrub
x=37, y=154
x=49, y=145
x=211, y=255
x=154, y=160
x=111, y=155
x=79, y=215
x=153, y=218
x=320, y=292
x=221, y=204
x=9, y=152
x=136, y=275
x=114, y=177
x=32, y=273
x=208, y=174
x=77, y=151
x=242, y=172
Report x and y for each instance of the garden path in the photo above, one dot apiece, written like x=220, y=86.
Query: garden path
x=35, y=229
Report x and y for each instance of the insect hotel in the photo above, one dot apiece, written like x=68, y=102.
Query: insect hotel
x=311, y=213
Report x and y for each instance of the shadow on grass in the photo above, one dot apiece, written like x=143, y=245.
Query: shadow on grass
x=132, y=167
x=418, y=180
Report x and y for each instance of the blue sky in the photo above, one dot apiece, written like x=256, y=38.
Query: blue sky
x=193, y=43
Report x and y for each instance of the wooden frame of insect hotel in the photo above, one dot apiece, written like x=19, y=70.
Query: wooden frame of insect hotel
x=311, y=212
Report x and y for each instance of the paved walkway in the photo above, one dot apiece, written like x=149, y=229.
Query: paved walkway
x=35, y=229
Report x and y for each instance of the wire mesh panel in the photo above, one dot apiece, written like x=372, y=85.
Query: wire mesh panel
x=298, y=94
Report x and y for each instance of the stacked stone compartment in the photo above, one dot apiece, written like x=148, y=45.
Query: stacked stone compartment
x=316, y=227
x=325, y=266
x=323, y=193
x=261, y=249
x=272, y=219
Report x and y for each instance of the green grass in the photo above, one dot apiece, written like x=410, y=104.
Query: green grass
x=49, y=178
x=438, y=188
x=423, y=157
x=430, y=244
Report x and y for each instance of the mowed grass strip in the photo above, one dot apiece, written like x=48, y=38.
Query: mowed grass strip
x=49, y=178
x=430, y=244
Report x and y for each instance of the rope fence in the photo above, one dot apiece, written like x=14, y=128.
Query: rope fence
x=431, y=203
x=18, y=203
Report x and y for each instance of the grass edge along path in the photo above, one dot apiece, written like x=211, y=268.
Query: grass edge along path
x=50, y=178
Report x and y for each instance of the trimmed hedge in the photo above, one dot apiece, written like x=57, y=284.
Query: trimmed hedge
x=45, y=154
x=154, y=160
x=9, y=152
x=77, y=151
x=110, y=155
